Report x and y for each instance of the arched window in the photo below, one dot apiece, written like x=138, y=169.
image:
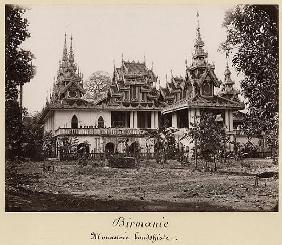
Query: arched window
x=74, y=122
x=100, y=122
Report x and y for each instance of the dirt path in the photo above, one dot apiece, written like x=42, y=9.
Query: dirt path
x=18, y=200
x=158, y=188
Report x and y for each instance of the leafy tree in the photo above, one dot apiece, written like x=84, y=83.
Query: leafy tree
x=12, y=129
x=209, y=136
x=32, y=138
x=68, y=147
x=49, y=144
x=18, y=71
x=165, y=144
x=252, y=37
x=97, y=84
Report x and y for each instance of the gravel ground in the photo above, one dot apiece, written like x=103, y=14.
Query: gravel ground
x=151, y=187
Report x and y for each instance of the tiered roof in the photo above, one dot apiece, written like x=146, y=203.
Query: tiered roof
x=68, y=87
x=133, y=85
x=227, y=90
x=197, y=88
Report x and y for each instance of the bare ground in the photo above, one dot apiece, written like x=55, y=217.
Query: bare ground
x=151, y=187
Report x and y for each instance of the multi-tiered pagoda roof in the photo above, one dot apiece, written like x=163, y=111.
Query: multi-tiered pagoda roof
x=197, y=88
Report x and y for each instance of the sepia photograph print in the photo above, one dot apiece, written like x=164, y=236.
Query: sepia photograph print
x=141, y=108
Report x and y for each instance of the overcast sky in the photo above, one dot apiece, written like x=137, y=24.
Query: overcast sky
x=164, y=34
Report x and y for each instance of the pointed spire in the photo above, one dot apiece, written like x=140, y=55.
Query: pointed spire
x=144, y=59
x=199, y=39
x=65, y=51
x=71, y=55
x=199, y=43
x=227, y=74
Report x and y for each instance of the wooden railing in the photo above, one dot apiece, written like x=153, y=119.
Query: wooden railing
x=103, y=131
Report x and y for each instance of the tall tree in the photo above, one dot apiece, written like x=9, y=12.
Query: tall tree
x=97, y=84
x=18, y=70
x=208, y=135
x=32, y=137
x=252, y=38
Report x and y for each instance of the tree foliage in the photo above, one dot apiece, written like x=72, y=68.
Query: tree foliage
x=32, y=137
x=252, y=37
x=18, y=70
x=208, y=135
x=12, y=129
x=97, y=84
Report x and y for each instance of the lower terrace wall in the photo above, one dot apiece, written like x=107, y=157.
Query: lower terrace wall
x=98, y=144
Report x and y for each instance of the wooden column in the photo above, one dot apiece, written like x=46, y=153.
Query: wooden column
x=198, y=114
x=156, y=119
x=146, y=119
x=230, y=120
x=174, y=120
x=131, y=120
x=135, y=119
x=227, y=120
x=231, y=129
x=191, y=113
x=153, y=119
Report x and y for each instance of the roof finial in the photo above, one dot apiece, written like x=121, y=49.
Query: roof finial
x=198, y=26
x=227, y=56
x=71, y=56
x=65, y=51
x=114, y=64
x=144, y=58
x=152, y=65
x=198, y=22
x=166, y=78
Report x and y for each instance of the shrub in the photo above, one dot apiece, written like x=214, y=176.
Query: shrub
x=117, y=161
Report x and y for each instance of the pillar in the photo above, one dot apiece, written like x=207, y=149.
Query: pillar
x=146, y=119
x=227, y=120
x=152, y=119
x=198, y=114
x=131, y=120
x=174, y=120
x=135, y=119
x=232, y=137
x=156, y=119
x=191, y=117
x=230, y=120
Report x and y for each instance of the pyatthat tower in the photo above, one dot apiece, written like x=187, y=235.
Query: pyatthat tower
x=187, y=97
x=68, y=88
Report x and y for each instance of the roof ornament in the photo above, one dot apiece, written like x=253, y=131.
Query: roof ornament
x=198, y=22
x=144, y=58
x=227, y=74
x=71, y=55
x=65, y=51
x=152, y=65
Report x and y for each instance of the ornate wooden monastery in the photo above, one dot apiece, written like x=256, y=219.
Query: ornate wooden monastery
x=133, y=105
